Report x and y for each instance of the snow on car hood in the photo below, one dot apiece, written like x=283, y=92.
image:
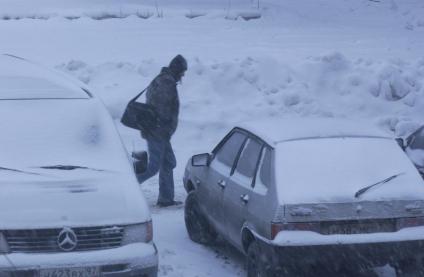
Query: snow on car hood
x=64, y=132
x=99, y=199
x=334, y=169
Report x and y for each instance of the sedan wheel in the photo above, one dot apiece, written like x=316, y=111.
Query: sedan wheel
x=253, y=267
x=198, y=227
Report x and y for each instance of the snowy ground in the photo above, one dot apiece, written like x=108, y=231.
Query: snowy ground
x=326, y=58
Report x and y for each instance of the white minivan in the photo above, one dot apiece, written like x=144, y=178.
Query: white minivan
x=70, y=204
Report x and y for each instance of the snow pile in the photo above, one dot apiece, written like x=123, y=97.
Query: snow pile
x=389, y=92
x=101, y=10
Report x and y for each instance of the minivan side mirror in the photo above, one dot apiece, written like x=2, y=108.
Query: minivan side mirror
x=200, y=160
x=401, y=143
x=140, y=160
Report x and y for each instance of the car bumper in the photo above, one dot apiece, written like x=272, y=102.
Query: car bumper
x=364, y=249
x=138, y=259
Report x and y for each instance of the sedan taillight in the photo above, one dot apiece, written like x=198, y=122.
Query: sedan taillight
x=296, y=226
x=410, y=222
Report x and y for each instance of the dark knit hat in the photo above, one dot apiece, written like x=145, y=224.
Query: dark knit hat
x=178, y=64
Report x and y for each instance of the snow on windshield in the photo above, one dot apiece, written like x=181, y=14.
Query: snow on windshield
x=58, y=132
x=334, y=169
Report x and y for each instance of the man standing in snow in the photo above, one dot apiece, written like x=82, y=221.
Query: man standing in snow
x=162, y=94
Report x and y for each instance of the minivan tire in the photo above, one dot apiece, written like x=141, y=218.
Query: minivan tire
x=408, y=268
x=198, y=228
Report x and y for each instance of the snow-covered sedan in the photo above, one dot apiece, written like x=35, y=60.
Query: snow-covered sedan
x=70, y=204
x=309, y=195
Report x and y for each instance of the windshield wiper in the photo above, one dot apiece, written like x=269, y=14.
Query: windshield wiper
x=362, y=191
x=17, y=170
x=68, y=167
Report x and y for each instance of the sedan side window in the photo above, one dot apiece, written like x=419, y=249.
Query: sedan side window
x=227, y=154
x=263, y=178
x=248, y=161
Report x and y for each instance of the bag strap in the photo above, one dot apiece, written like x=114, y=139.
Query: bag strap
x=138, y=95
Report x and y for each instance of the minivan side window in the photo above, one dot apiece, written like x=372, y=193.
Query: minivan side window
x=264, y=174
x=227, y=154
x=248, y=160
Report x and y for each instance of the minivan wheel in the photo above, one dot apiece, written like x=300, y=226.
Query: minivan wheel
x=198, y=228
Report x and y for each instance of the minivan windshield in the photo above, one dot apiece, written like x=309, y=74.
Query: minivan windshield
x=334, y=169
x=58, y=137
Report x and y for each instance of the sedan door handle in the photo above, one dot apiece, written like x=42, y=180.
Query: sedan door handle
x=222, y=184
x=244, y=198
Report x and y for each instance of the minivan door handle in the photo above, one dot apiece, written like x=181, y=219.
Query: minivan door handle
x=222, y=184
x=244, y=198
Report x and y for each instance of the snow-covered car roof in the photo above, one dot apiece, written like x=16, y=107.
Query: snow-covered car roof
x=279, y=130
x=22, y=79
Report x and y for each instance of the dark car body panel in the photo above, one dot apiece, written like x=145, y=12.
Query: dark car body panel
x=366, y=255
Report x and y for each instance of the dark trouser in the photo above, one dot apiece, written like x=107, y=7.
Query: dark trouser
x=162, y=160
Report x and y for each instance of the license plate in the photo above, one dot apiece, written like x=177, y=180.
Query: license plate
x=71, y=272
x=360, y=227
x=351, y=229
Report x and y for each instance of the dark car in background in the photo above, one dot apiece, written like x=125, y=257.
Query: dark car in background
x=309, y=196
x=414, y=147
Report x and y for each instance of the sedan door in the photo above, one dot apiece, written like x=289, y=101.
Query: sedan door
x=211, y=190
x=415, y=149
x=239, y=189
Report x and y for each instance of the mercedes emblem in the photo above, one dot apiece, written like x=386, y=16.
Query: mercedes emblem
x=67, y=239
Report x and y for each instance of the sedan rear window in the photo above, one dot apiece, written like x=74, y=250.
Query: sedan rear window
x=335, y=169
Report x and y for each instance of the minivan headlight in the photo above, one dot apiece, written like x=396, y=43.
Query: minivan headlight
x=4, y=247
x=138, y=233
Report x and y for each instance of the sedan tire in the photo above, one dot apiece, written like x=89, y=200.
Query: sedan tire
x=255, y=267
x=198, y=227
